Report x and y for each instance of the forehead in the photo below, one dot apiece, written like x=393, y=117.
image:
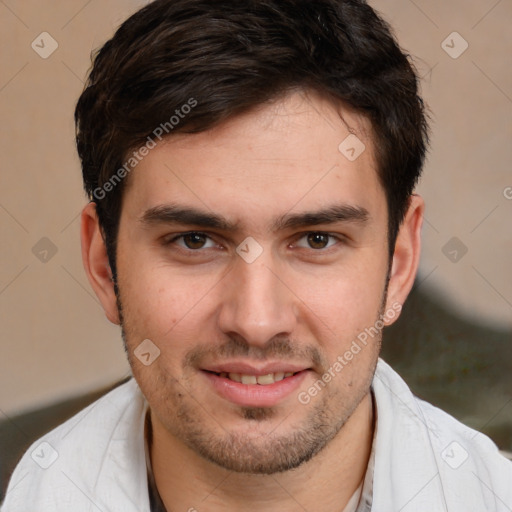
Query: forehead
x=298, y=152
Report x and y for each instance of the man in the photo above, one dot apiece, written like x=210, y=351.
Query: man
x=252, y=227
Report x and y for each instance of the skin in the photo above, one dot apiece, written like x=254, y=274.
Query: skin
x=298, y=302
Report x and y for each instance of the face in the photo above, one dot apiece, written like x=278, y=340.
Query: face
x=252, y=256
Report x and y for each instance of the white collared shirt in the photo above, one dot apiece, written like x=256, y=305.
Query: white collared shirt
x=423, y=459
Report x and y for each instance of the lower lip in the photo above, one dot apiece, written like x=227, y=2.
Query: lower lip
x=255, y=395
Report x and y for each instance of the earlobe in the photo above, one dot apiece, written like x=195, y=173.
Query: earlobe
x=96, y=264
x=406, y=255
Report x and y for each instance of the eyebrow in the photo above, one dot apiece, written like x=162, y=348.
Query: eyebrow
x=176, y=214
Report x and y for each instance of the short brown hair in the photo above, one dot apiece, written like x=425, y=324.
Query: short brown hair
x=230, y=56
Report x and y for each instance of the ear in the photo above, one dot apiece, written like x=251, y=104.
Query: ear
x=406, y=257
x=95, y=260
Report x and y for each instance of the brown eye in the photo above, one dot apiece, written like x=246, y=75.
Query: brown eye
x=318, y=240
x=194, y=240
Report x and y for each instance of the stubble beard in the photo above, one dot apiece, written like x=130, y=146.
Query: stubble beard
x=268, y=453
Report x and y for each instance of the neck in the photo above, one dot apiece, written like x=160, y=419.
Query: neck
x=186, y=481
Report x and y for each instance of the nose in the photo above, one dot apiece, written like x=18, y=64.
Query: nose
x=257, y=305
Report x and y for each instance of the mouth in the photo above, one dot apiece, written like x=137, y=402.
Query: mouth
x=248, y=379
x=248, y=386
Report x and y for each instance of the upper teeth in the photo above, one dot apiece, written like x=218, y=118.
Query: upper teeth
x=270, y=378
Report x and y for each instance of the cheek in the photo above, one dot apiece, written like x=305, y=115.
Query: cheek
x=166, y=312
x=344, y=292
x=342, y=303
x=162, y=304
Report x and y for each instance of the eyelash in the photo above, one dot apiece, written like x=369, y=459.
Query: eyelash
x=181, y=236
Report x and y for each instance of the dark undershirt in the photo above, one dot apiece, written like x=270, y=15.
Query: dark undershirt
x=155, y=501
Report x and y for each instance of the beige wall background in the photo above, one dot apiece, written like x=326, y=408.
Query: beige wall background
x=55, y=340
